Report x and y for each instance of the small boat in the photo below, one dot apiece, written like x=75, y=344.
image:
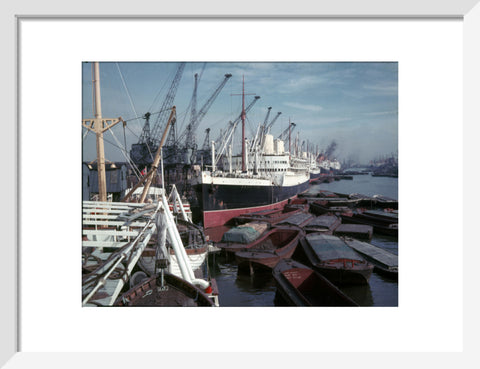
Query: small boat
x=298, y=285
x=380, y=225
x=324, y=207
x=363, y=200
x=299, y=220
x=298, y=203
x=334, y=259
x=328, y=194
x=238, y=238
x=341, y=201
x=385, y=202
x=166, y=290
x=385, y=262
x=268, y=216
x=359, y=231
x=388, y=217
x=265, y=254
x=323, y=223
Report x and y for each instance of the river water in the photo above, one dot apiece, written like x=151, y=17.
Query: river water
x=259, y=289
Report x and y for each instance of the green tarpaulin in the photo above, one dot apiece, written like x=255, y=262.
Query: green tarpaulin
x=240, y=235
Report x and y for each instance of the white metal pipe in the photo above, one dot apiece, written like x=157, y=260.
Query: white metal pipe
x=246, y=154
x=161, y=237
x=230, y=158
x=213, y=156
x=180, y=204
x=173, y=241
x=177, y=244
x=229, y=136
x=179, y=250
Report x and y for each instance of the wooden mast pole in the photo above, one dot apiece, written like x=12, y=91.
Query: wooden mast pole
x=102, y=181
x=99, y=125
x=156, y=161
x=243, y=127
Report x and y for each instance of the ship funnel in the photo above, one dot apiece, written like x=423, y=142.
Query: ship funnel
x=268, y=145
x=279, y=147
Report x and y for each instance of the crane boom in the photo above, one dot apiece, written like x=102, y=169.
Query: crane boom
x=164, y=110
x=231, y=124
x=284, y=134
x=268, y=114
x=141, y=152
x=195, y=121
x=206, y=142
x=193, y=112
x=267, y=129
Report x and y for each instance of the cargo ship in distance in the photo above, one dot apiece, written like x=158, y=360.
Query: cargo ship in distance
x=265, y=176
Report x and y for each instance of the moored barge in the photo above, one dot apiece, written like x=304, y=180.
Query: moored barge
x=299, y=285
x=335, y=260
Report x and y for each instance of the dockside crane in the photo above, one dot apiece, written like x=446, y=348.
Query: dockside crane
x=269, y=126
x=225, y=133
x=206, y=142
x=266, y=128
x=227, y=136
x=284, y=135
x=141, y=152
x=266, y=118
x=189, y=133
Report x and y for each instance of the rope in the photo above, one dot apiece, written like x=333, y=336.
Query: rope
x=126, y=89
x=125, y=154
x=124, y=135
x=93, y=93
x=169, y=78
x=133, y=133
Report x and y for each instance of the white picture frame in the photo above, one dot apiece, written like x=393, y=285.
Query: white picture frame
x=11, y=14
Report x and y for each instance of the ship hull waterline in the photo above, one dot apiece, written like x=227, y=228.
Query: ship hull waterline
x=221, y=203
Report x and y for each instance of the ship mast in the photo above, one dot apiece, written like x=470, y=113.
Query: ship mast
x=98, y=125
x=243, y=125
x=289, y=137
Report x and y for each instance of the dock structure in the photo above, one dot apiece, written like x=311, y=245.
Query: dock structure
x=382, y=259
x=116, y=234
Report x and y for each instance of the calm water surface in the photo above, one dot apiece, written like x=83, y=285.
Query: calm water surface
x=259, y=290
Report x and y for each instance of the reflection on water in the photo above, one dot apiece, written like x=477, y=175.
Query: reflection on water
x=361, y=294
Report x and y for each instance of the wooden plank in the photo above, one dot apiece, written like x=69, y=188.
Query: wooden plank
x=109, y=232
x=103, y=244
x=99, y=216
x=114, y=223
x=109, y=211
x=113, y=204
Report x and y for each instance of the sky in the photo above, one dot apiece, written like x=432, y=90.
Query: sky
x=353, y=103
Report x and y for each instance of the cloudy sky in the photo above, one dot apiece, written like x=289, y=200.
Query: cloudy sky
x=355, y=104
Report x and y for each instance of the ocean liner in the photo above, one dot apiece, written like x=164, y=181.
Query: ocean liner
x=264, y=176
